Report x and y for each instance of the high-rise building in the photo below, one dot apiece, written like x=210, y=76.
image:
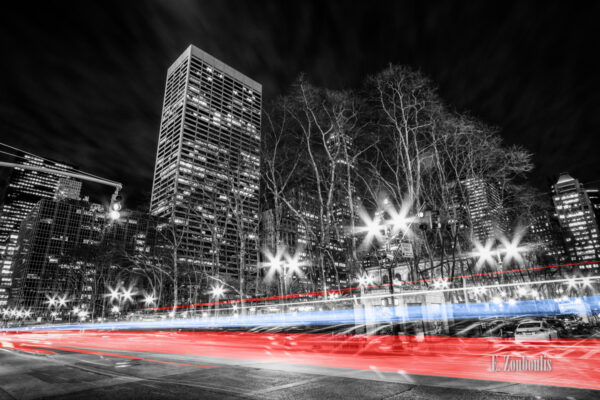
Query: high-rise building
x=484, y=208
x=72, y=249
x=545, y=232
x=23, y=191
x=206, y=178
x=577, y=218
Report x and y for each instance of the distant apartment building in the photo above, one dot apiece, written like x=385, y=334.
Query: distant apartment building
x=24, y=189
x=577, y=217
x=206, y=178
x=71, y=248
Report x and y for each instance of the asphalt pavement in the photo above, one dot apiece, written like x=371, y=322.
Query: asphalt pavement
x=136, y=375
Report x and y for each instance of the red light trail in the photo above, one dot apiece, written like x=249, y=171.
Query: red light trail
x=572, y=362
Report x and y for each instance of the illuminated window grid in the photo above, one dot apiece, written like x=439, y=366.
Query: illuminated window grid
x=208, y=159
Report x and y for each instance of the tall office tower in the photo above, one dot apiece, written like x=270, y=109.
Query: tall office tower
x=577, y=218
x=24, y=189
x=207, y=164
x=484, y=206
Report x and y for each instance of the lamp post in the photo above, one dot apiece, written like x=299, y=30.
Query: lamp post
x=217, y=291
x=122, y=295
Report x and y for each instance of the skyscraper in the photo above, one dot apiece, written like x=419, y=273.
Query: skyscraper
x=207, y=163
x=577, y=218
x=485, y=214
x=545, y=231
x=71, y=248
x=23, y=191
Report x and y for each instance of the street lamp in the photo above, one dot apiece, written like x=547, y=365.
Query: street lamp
x=83, y=314
x=121, y=295
x=217, y=291
x=128, y=294
x=275, y=264
x=440, y=284
x=512, y=249
x=484, y=253
x=51, y=301
x=149, y=299
x=365, y=280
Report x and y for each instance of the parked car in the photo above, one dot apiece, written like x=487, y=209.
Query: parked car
x=502, y=328
x=559, y=325
x=533, y=329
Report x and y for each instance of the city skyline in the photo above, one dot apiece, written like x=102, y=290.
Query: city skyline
x=308, y=200
x=120, y=108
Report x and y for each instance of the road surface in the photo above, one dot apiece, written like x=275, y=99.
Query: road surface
x=57, y=366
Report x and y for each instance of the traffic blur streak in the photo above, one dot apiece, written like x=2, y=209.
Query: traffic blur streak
x=348, y=316
x=573, y=362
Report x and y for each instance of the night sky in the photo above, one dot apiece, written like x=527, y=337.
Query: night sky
x=83, y=81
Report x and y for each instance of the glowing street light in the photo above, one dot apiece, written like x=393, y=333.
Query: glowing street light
x=479, y=290
x=128, y=294
x=83, y=314
x=51, y=301
x=511, y=248
x=586, y=282
x=62, y=301
x=399, y=220
x=372, y=227
x=217, y=291
x=484, y=253
x=274, y=261
x=440, y=284
x=365, y=280
x=149, y=299
x=114, y=293
x=115, y=309
x=293, y=265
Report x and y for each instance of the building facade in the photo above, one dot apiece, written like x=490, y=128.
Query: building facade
x=206, y=178
x=24, y=189
x=545, y=232
x=72, y=249
x=484, y=209
x=577, y=218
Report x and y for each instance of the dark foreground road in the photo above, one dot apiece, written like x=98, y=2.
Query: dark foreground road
x=128, y=375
